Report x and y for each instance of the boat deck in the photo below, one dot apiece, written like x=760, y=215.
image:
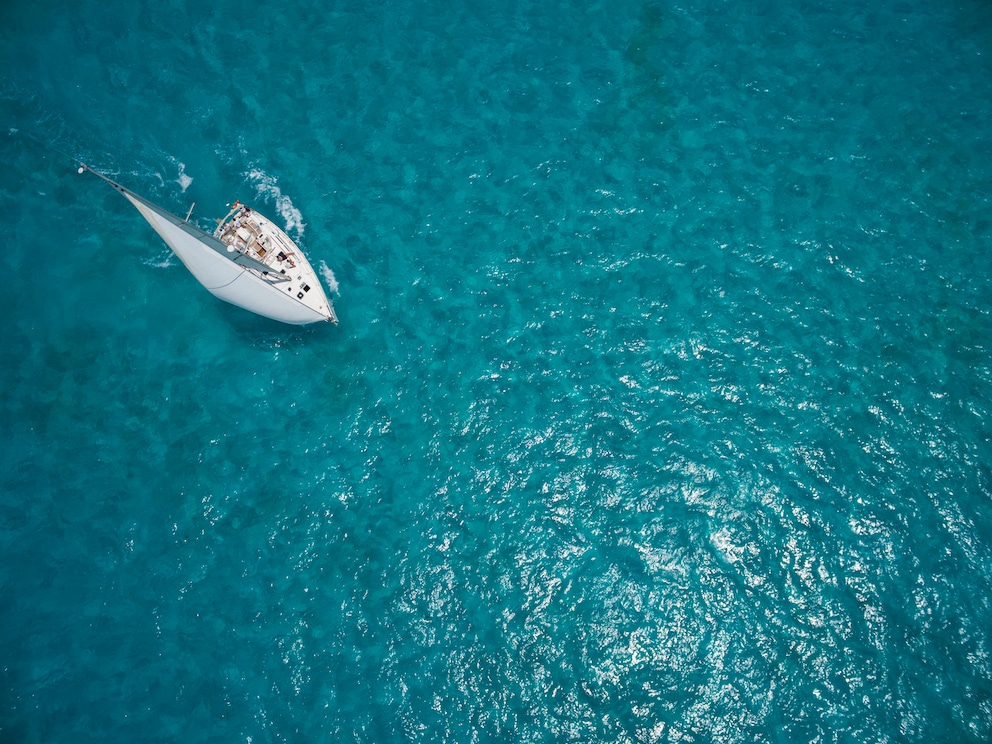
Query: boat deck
x=246, y=231
x=250, y=233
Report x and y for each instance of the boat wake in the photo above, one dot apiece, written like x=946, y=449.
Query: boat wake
x=332, y=281
x=183, y=180
x=162, y=261
x=268, y=188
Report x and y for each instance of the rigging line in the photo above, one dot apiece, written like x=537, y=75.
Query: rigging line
x=243, y=270
x=48, y=146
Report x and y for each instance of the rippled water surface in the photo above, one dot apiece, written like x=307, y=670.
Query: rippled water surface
x=659, y=411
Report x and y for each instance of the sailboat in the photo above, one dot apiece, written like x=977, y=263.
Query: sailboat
x=248, y=261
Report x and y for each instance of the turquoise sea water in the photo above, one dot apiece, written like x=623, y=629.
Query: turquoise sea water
x=659, y=411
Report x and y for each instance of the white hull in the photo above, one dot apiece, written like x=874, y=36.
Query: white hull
x=287, y=291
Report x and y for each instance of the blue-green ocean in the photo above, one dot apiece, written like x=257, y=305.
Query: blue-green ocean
x=660, y=408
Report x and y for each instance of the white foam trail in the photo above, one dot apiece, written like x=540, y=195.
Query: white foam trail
x=267, y=187
x=162, y=261
x=332, y=281
x=184, y=181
